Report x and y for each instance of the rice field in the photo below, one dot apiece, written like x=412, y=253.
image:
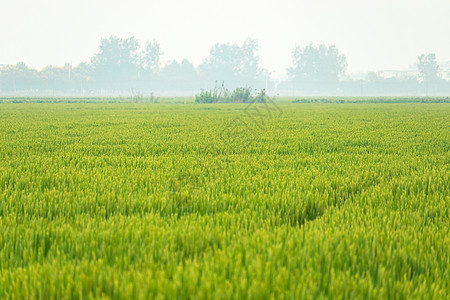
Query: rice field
x=224, y=201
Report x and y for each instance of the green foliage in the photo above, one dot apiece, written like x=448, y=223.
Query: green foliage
x=317, y=67
x=239, y=95
x=130, y=201
x=211, y=96
x=234, y=64
x=428, y=67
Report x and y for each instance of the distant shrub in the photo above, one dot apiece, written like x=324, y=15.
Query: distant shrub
x=239, y=95
x=210, y=96
x=261, y=97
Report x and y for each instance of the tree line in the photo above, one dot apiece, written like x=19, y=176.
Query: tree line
x=123, y=65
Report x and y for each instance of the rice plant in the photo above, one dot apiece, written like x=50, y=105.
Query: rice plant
x=134, y=201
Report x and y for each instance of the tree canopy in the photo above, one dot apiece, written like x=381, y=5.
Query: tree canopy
x=317, y=66
x=233, y=64
x=428, y=67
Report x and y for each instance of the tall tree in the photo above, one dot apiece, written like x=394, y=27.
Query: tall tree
x=19, y=77
x=81, y=75
x=150, y=56
x=149, y=61
x=250, y=71
x=177, y=76
x=232, y=64
x=223, y=64
x=317, y=67
x=116, y=65
x=57, y=78
x=428, y=67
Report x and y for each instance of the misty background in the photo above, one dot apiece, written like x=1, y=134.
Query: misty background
x=293, y=48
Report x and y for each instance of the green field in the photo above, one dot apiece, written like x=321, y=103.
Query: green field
x=224, y=201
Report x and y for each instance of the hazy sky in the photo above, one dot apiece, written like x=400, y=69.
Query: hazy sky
x=374, y=35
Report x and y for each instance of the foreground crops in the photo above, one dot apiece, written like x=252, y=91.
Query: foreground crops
x=145, y=201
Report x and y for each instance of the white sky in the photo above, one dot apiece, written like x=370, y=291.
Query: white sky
x=374, y=35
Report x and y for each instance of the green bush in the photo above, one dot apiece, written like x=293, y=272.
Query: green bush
x=210, y=96
x=238, y=95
